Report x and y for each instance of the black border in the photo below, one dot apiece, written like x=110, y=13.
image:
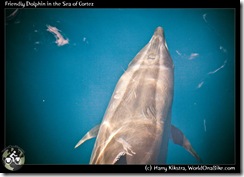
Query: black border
x=136, y=4
x=133, y=169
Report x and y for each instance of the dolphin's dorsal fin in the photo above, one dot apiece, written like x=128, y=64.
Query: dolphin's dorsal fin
x=91, y=134
x=179, y=138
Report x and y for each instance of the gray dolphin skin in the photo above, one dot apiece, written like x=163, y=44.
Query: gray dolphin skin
x=137, y=126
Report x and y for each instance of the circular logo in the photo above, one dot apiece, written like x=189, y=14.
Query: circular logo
x=13, y=158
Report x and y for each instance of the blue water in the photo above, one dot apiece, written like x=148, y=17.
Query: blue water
x=55, y=94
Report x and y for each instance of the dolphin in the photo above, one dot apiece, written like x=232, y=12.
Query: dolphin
x=137, y=126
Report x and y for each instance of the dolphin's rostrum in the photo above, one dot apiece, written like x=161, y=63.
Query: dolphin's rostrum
x=136, y=127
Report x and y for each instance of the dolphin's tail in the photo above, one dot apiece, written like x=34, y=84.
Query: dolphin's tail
x=180, y=139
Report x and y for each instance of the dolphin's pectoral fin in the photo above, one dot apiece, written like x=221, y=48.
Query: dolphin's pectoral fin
x=180, y=139
x=91, y=134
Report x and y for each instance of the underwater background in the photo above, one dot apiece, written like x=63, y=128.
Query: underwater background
x=62, y=65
